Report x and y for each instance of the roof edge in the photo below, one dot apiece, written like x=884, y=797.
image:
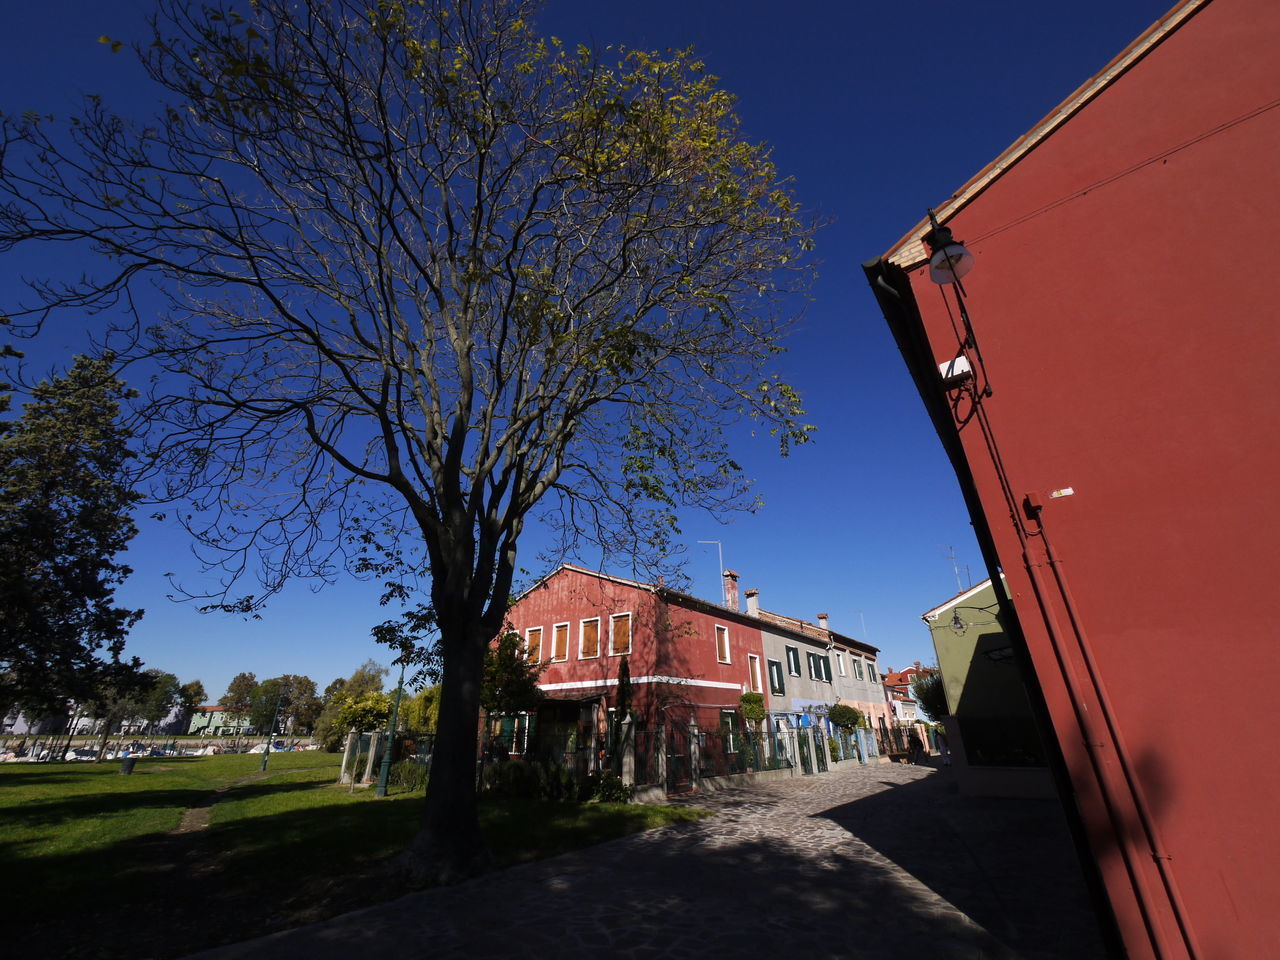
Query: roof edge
x=931, y=615
x=909, y=252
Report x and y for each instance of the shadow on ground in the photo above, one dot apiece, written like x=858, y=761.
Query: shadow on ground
x=1007, y=863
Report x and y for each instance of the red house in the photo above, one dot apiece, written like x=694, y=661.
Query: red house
x=688, y=659
x=1103, y=379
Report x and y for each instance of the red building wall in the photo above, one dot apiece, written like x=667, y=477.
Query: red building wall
x=670, y=639
x=1124, y=305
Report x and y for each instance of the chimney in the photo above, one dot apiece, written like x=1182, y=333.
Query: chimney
x=822, y=621
x=753, y=602
x=731, y=590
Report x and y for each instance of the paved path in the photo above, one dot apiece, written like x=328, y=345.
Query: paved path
x=863, y=862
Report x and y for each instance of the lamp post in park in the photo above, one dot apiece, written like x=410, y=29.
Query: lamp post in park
x=272, y=732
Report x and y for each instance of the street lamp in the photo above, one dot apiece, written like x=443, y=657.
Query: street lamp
x=385, y=773
x=949, y=259
x=272, y=732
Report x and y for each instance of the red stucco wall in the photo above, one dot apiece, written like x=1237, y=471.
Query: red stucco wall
x=1124, y=301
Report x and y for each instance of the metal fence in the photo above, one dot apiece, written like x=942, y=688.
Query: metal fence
x=648, y=749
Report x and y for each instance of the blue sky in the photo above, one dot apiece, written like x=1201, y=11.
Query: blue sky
x=878, y=111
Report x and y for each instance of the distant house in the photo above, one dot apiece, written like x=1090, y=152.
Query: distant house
x=212, y=720
x=811, y=667
x=993, y=737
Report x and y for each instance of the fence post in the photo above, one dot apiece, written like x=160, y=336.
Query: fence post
x=627, y=735
x=375, y=742
x=695, y=754
x=660, y=747
x=346, y=775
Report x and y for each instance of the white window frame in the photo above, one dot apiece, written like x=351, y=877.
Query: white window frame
x=793, y=670
x=528, y=648
x=730, y=720
x=840, y=664
x=722, y=631
x=582, y=632
x=554, y=628
x=872, y=673
x=753, y=672
x=613, y=619
x=857, y=668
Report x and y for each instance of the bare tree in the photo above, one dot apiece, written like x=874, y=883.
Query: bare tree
x=427, y=274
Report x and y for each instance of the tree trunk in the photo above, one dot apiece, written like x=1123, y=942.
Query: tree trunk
x=449, y=845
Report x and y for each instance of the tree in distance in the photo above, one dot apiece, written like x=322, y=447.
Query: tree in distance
x=366, y=679
x=289, y=701
x=118, y=692
x=65, y=515
x=928, y=690
x=238, y=700
x=431, y=278
x=190, y=696
x=162, y=696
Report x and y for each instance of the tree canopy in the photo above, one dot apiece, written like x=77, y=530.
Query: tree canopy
x=428, y=274
x=510, y=679
x=65, y=515
x=238, y=700
x=163, y=695
x=928, y=690
x=844, y=716
x=289, y=700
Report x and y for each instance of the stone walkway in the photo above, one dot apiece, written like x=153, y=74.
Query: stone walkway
x=862, y=862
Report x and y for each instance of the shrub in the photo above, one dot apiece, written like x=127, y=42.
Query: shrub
x=752, y=707
x=833, y=748
x=534, y=780
x=844, y=716
x=613, y=790
x=409, y=775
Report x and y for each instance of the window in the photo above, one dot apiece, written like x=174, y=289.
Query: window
x=589, y=639
x=729, y=728
x=857, y=667
x=793, y=661
x=753, y=665
x=871, y=672
x=722, y=643
x=776, y=686
x=840, y=664
x=560, y=642
x=819, y=667
x=619, y=634
x=533, y=643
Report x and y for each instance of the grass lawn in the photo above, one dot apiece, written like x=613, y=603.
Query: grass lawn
x=102, y=872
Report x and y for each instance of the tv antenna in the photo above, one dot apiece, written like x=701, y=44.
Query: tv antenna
x=951, y=555
x=724, y=600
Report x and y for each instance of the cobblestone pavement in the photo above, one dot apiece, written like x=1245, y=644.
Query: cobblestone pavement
x=862, y=862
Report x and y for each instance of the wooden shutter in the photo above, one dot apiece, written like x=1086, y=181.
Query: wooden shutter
x=620, y=634
x=590, y=638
